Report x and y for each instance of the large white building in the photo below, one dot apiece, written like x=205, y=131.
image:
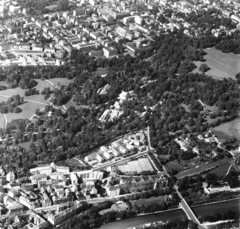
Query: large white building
x=85, y=175
x=41, y=170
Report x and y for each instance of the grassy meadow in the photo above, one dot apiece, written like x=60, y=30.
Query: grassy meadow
x=223, y=65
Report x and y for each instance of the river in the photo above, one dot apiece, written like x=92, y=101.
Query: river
x=209, y=209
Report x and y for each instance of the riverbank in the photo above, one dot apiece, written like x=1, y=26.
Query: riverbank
x=218, y=222
x=210, y=209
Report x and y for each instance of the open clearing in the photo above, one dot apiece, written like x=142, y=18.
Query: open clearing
x=31, y=102
x=228, y=130
x=28, y=110
x=223, y=65
x=221, y=170
x=199, y=169
x=61, y=81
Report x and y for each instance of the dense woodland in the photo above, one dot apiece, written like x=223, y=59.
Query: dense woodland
x=164, y=86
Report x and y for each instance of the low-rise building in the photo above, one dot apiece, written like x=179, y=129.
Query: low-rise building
x=115, y=152
x=110, y=51
x=107, y=155
x=112, y=190
x=10, y=177
x=62, y=169
x=99, y=158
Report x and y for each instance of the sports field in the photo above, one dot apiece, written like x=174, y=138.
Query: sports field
x=223, y=65
x=228, y=130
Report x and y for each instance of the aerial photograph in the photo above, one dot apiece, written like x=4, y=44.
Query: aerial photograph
x=119, y=114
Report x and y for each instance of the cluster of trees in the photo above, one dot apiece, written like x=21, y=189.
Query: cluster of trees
x=175, y=223
x=11, y=105
x=238, y=77
x=189, y=185
x=231, y=178
x=91, y=218
x=34, y=8
x=24, y=77
x=46, y=92
x=61, y=97
x=19, y=76
x=153, y=193
x=149, y=207
x=203, y=68
x=63, y=5
x=229, y=215
x=229, y=43
x=31, y=91
x=3, y=87
x=194, y=184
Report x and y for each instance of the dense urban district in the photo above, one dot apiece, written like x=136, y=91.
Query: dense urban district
x=118, y=109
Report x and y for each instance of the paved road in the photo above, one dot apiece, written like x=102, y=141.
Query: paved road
x=187, y=209
x=210, y=209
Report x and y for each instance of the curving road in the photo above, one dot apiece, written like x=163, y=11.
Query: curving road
x=209, y=209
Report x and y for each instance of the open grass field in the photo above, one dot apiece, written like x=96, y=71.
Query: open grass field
x=43, y=84
x=31, y=102
x=222, y=170
x=228, y=130
x=28, y=110
x=199, y=169
x=62, y=81
x=223, y=65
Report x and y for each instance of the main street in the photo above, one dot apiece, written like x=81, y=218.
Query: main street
x=209, y=209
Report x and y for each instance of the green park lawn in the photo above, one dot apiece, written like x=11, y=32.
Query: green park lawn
x=222, y=169
x=223, y=65
x=200, y=169
x=31, y=102
x=228, y=130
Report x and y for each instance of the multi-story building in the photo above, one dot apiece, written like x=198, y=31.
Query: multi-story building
x=41, y=170
x=63, y=215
